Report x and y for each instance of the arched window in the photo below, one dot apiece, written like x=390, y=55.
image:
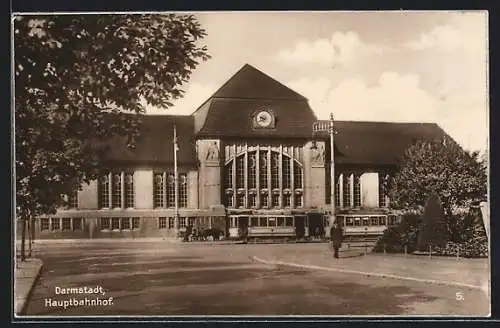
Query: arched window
x=263, y=179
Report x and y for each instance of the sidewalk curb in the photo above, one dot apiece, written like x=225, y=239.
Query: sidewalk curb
x=369, y=274
x=20, y=301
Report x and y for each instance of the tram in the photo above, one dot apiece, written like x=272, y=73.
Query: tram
x=289, y=227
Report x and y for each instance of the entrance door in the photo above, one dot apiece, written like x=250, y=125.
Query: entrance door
x=300, y=226
x=316, y=227
x=243, y=226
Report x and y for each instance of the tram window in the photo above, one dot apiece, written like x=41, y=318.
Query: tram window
x=262, y=222
x=349, y=221
x=366, y=221
x=357, y=221
x=254, y=222
x=272, y=222
x=281, y=222
x=391, y=220
x=381, y=220
x=289, y=222
x=374, y=221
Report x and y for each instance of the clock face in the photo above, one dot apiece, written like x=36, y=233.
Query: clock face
x=264, y=118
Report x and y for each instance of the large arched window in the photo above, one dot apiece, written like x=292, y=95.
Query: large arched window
x=263, y=179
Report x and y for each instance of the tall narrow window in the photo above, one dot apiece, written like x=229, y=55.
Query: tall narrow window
x=382, y=190
x=337, y=190
x=73, y=199
x=228, y=177
x=240, y=172
x=263, y=179
x=297, y=176
x=252, y=170
x=170, y=190
x=183, y=183
x=287, y=180
x=357, y=190
x=347, y=190
x=116, y=192
x=275, y=175
x=129, y=190
x=104, y=191
x=158, y=191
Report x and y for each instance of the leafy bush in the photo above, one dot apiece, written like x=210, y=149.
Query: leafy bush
x=395, y=238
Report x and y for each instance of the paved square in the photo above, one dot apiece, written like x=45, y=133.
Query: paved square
x=161, y=278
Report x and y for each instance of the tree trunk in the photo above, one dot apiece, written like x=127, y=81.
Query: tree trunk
x=23, y=238
x=30, y=227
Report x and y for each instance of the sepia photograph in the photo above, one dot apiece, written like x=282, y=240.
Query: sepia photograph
x=250, y=164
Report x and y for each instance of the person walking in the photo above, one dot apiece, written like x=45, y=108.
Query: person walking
x=336, y=236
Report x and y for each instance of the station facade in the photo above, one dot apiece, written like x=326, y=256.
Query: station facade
x=246, y=157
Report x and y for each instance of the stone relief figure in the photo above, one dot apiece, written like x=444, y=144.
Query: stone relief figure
x=318, y=155
x=213, y=152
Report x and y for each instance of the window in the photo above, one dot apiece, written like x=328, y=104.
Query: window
x=183, y=182
x=66, y=224
x=337, y=190
x=272, y=222
x=381, y=220
x=275, y=174
x=254, y=222
x=111, y=187
x=275, y=199
x=116, y=192
x=252, y=170
x=240, y=172
x=105, y=224
x=289, y=221
x=171, y=222
x=158, y=190
x=263, y=179
x=262, y=222
x=77, y=224
x=115, y=223
x=73, y=199
x=349, y=221
x=374, y=221
x=129, y=190
x=136, y=223
x=286, y=174
x=245, y=194
x=182, y=222
x=287, y=199
x=347, y=191
x=357, y=222
x=297, y=175
x=240, y=200
x=366, y=221
x=191, y=221
x=162, y=223
x=357, y=191
x=103, y=191
x=264, y=201
x=382, y=193
x=44, y=224
x=281, y=222
x=252, y=200
x=125, y=224
x=298, y=200
x=170, y=190
x=55, y=224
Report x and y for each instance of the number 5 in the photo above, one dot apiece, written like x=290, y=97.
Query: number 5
x=459, y=296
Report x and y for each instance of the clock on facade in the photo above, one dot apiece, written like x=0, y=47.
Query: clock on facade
x=263, y=119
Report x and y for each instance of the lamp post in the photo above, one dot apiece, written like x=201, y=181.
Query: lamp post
x=328, y=126
x=176, y=186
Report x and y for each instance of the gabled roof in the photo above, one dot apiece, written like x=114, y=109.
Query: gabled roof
x=155, y=143
x=251, y=83
x=379, y=143
x=230, y=110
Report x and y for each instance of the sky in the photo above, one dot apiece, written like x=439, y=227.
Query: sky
x=361, y=66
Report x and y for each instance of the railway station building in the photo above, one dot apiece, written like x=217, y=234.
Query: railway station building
x=247, y=158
